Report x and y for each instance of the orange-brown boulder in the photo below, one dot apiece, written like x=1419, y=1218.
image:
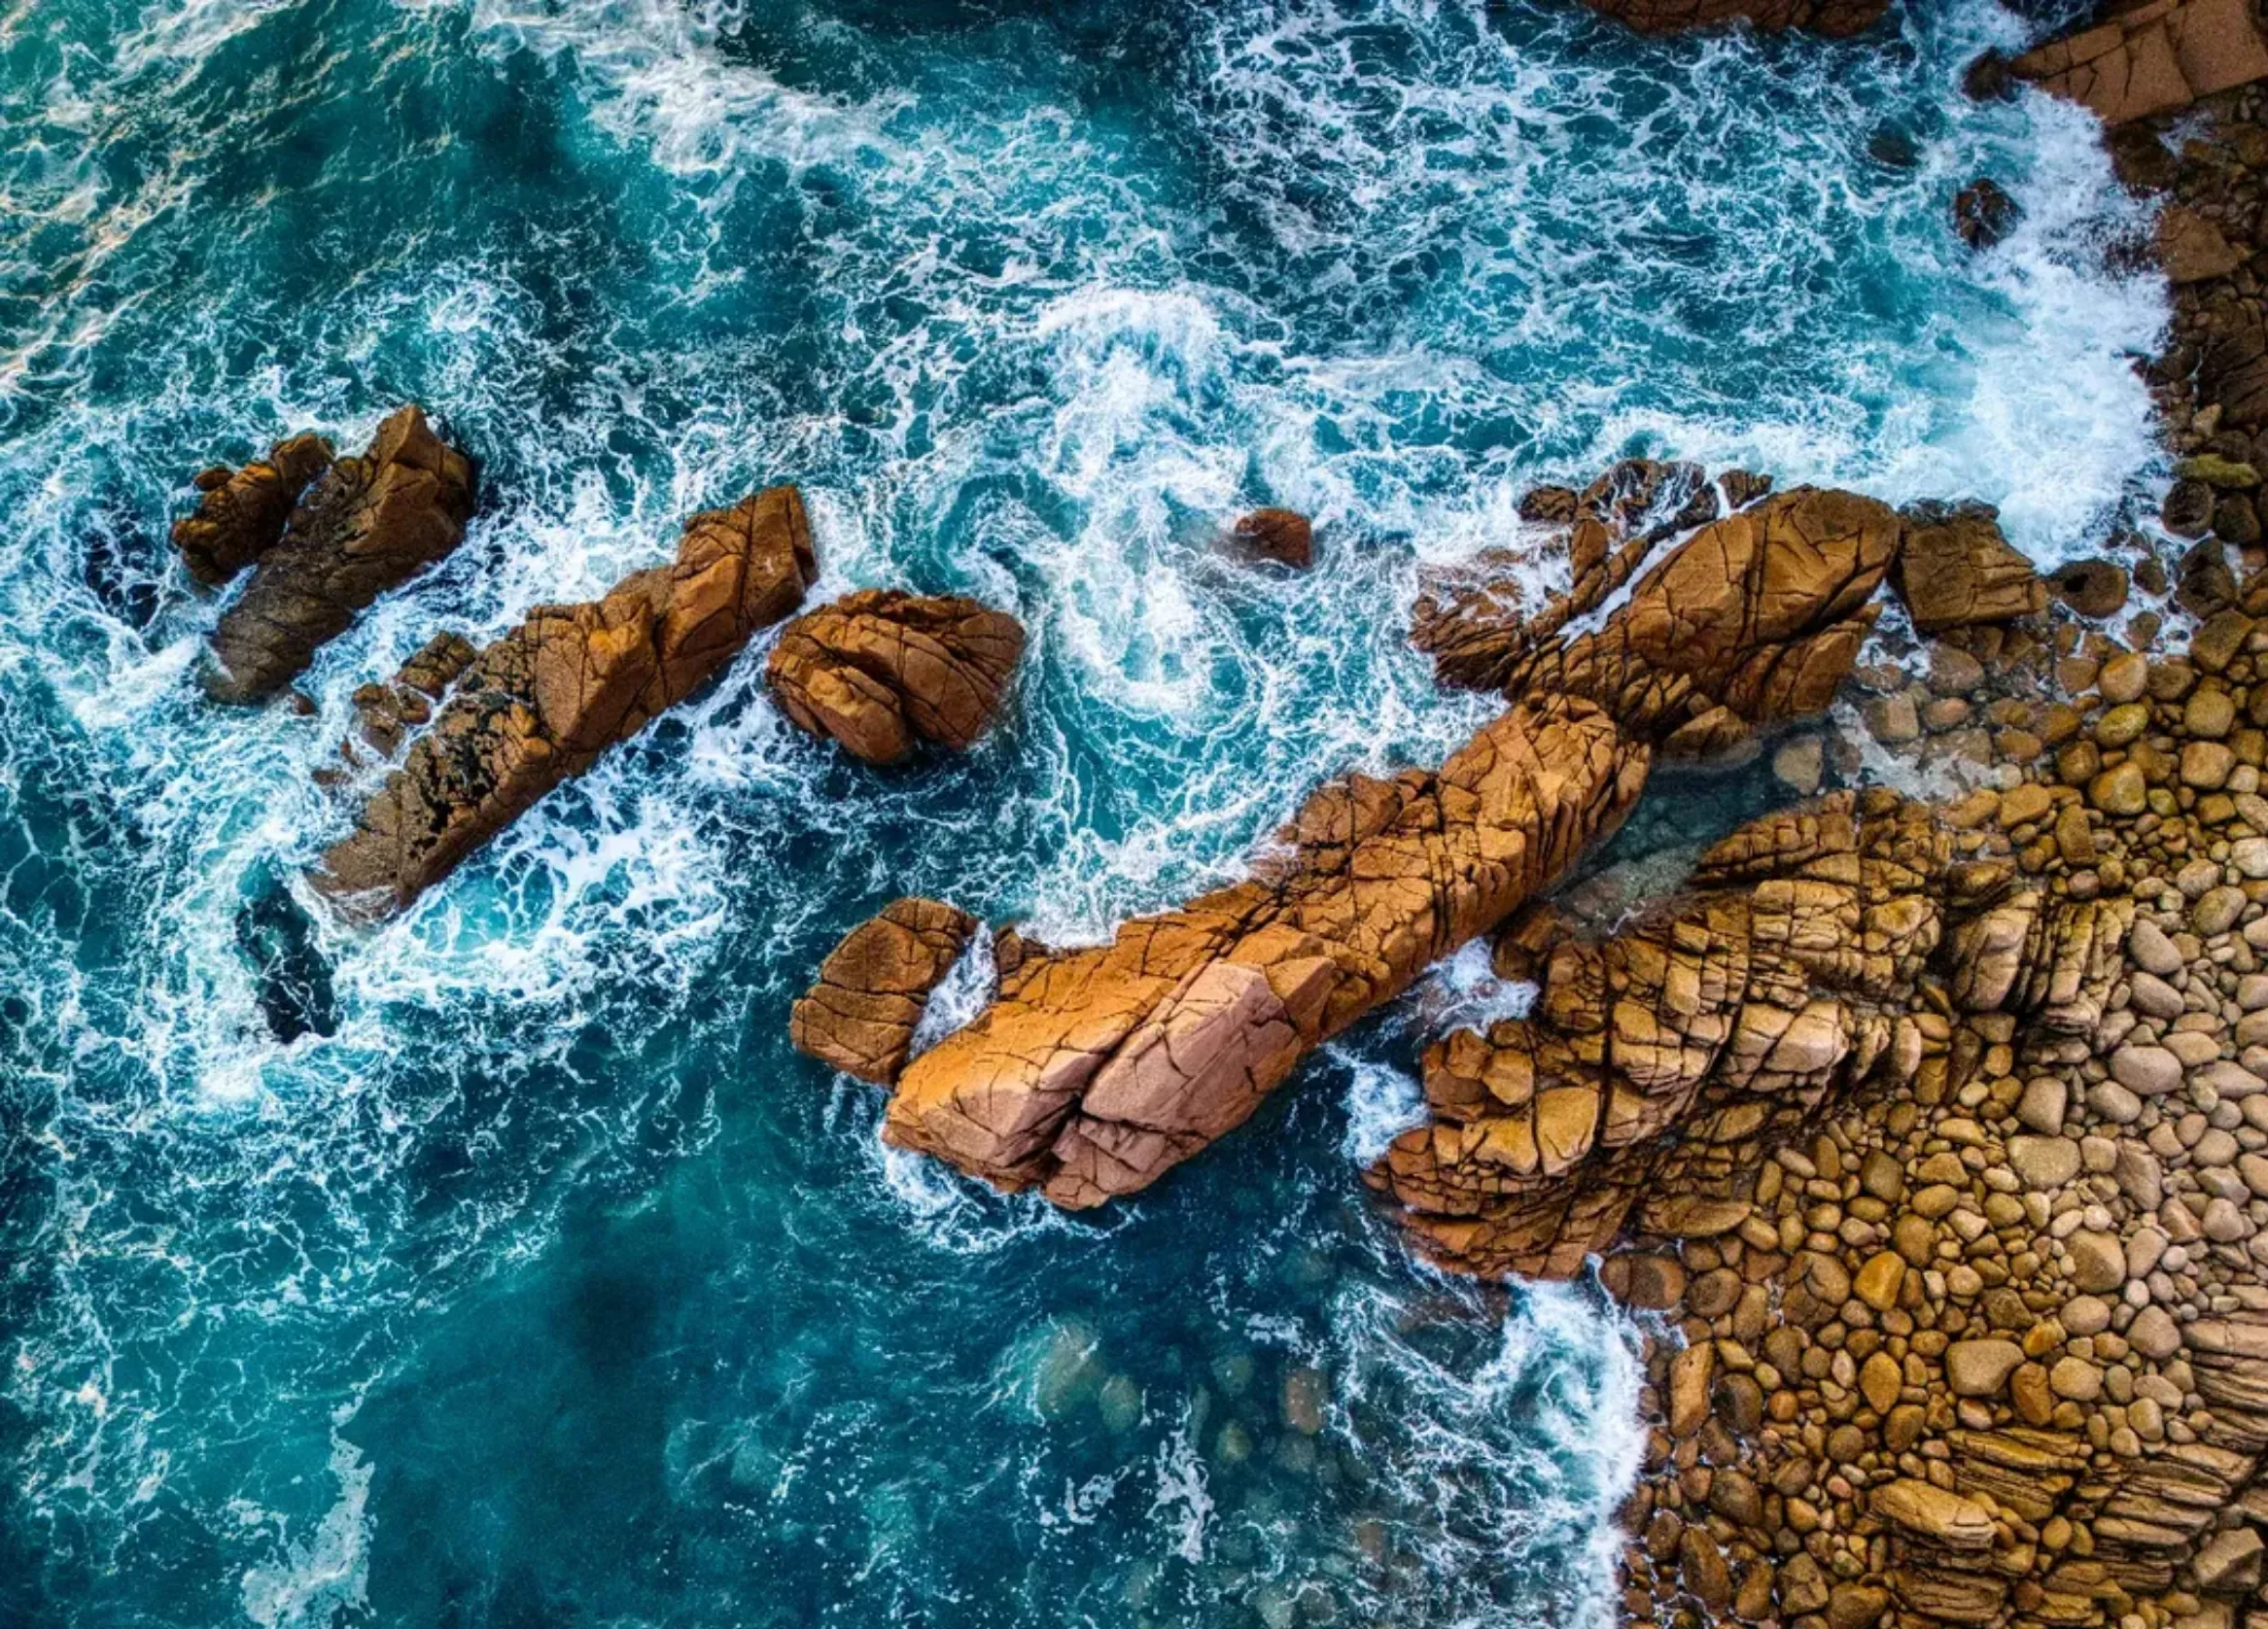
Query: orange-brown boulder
x=1100, y=1070
x=367, y=524
x=1104, y=1067
x=543, y=703
x=242, y=511
x=879, y=671
x=861, y=1014
x=1283, y=535
x=1661, y=1065
x=2152, y=58
x=1754, y=618
x=1956, y=571
x=389, y=712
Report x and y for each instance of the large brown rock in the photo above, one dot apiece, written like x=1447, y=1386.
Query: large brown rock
x=1104, y=1067
x=1753, y=619
x=367, y=525
x=243, y=512
x=1283, y=535
x=1664, y=1064
x=1834, y=19
x=1956, y=571
x=1097, y=1070
x=543, y=703
x=879, y=671
x=2153, y=58
x=861, y=1014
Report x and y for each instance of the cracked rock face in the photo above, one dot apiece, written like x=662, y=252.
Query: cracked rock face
x=1956, y=571
x=1753, y=619
x=1100, y=1070
x=880, y=671
x=543, y=703
x=367, y=525
x=1662, y=1065
x=861, y=1014
x=243, y=512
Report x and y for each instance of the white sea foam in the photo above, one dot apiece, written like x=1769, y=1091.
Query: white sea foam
x=327, y=1573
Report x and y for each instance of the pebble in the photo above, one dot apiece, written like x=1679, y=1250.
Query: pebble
x=1981, y=1368
x=2044, y=1162
x=2098, y=1261
x=2151, y=1071
x=2147, y=943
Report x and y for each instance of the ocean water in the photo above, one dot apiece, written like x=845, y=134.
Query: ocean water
x=552, y=1287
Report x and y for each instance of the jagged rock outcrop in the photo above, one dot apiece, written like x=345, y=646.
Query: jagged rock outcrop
x=2152, y=58
x=1283, y=535
x=543, y=703
x=243, y=512
x=1753, y=619
x=1956, y=571
x=367, y=525
x=861, y=1014
x=1664, y=1064
x=1834, y=19
x=391, y=710
x=880, y=671
x=1103, y=1068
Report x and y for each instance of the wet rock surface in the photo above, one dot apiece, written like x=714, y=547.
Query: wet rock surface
x=881, y=671
x=367, y=525
x=242, y=512
x=1283, y=535
x=540, y=705
x=861, y=1013
x=1097, y=1070
x=2153, y=58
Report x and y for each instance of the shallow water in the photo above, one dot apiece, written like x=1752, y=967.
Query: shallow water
x=552, y=1286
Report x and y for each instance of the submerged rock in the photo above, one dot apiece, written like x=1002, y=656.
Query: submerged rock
x=879, y=671
x=861, y=1014
x=290, y=973
x=540, y=705
x=242, y=512
x=369, y=523
x=1983, y=212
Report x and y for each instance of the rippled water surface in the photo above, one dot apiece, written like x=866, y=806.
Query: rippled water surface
x=553, y=1288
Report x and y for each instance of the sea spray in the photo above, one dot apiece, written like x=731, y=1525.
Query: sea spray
x=639, y=1318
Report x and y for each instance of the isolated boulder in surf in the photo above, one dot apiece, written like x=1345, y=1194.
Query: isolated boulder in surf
x=1956, y=571
x=1283, y=535
x=1100, y=1069
x=880, y=671
x=861, y=1014
x=543, y=703
x=242, y=511
x=367, y=524
x=1983, y=212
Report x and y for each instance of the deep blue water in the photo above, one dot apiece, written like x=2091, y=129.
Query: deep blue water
x=553, y=1289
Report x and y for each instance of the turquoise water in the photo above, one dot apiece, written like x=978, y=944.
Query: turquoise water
x=552, y=1287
